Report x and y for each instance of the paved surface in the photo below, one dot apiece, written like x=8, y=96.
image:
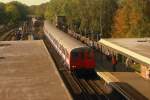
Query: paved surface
x=134, y=82
x=27, y=72
x=129, y=83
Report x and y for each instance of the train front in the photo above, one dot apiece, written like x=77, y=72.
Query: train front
x=82, y=58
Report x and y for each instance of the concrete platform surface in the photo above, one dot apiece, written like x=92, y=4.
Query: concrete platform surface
x=27, y=72
x=135, y=81
x=132, y=85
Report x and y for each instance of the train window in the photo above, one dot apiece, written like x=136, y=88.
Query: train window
x=63, y=50
x=89, y=54
x=59, y=47
x=57, y=43
x=75, y=55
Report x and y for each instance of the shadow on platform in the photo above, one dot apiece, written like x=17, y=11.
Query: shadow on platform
x=131, y=92
x=2, y=57
x=2, y=45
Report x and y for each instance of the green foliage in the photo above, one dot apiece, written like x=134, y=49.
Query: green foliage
x=38, y=10
x=23, y=9
x=12, y=12
x=132, y=19
x=112, y=18
x=85, y=16
x=2, y=13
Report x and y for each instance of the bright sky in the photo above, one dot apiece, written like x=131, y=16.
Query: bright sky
x=28, y=2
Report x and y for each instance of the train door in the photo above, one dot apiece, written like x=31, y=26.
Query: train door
x=74, y=59
x=89, y=61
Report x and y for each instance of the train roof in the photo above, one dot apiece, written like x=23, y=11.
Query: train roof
x=137, y=48
x=66, y=40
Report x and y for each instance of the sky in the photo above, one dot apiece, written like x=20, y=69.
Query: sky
x=28, y=2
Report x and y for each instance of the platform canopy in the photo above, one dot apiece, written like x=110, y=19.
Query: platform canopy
x=136, y=48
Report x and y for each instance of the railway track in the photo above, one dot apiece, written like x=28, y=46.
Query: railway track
x=8, y=36
x=82, y=87
x=88, y=88
x=74, y=88
x=27, y=30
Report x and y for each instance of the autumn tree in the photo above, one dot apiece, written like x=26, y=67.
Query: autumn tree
x=132, y=19
x=2, y=13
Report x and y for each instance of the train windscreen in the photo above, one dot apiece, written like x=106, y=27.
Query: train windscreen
x=75, y=55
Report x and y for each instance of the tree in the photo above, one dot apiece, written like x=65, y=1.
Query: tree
x=38, y=10
x=132, y=19
x=2, y=13
x=111, y=18
x=84, y=16
x=121, y=21
x=22, y=9
x=12, y=13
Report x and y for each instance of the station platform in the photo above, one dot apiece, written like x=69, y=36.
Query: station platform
x=130, y=84
x=27, y=72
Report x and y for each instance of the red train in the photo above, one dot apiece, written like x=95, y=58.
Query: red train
x=75, y=54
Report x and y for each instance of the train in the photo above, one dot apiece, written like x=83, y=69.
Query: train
x=75, y=54
x=61, y=23
x=88, y=39
x=36, y=22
